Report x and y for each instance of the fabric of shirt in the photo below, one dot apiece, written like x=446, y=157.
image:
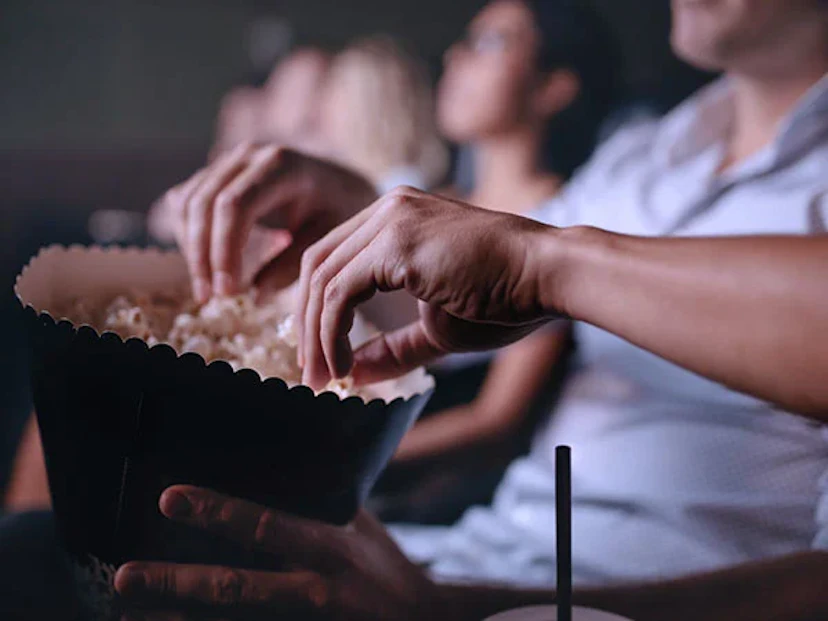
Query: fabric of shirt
x=672, y=473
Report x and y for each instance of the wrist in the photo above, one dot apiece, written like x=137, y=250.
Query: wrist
x=569, y=260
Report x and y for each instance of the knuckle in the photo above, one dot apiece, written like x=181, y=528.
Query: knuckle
x=405, y=197
x=309, y=259
x=205, y=511
x=222, y=158
x=165, y=581
x=403, y=192
x=319, y=279
x=333, y=292
x=172, y=196
x=226, y=201
x=273, y=154
x=317, y=592
x=174, y=201
x=266, y=528
x=224, y=512
x=198, y=212
x=389, y=206
x=229, y=587
x=246, y=147
x=404, y=273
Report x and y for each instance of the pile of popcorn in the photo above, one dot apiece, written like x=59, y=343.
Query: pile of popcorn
x=233, y=329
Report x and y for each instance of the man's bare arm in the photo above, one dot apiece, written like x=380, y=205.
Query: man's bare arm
x=751, y=313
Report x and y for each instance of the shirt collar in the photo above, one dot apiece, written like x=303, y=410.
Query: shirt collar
x=706, y=119
x=806, y=124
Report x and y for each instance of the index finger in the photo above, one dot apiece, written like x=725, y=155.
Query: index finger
x=313, y=257
x=253, y=525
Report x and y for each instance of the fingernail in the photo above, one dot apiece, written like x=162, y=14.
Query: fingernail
x=224, y=283
x=130, y=580
x=201, y=290
x=175, y=505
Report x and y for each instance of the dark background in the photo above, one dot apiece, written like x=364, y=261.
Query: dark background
x=104, y=74
x=106, y=103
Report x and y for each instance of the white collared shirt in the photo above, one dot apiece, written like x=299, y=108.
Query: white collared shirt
x=672, y=473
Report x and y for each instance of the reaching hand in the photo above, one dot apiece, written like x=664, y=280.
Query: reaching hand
x=475, y=272
x=216, y=209
x=343, y=573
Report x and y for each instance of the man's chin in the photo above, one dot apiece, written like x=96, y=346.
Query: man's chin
x=699, y=56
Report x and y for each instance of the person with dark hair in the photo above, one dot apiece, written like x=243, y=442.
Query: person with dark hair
x=573, y=37
x=526, y=90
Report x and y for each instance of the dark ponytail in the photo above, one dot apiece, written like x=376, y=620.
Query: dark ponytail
x=574, y=36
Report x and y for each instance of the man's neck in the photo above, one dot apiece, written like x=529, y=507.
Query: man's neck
x=761, y=103
x=508, y=172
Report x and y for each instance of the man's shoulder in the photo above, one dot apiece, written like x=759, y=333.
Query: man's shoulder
x=636, y=136
x=629, y=148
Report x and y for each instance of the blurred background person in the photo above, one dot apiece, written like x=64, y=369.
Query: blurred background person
x=284, y=110
x=378, y=116
x=527, y=91
x=291, y=101
x=239, y=119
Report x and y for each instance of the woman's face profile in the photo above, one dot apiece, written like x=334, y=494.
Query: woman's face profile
x=489, y=75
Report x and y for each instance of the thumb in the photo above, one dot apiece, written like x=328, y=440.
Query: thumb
x=395, y=353
x=436, y=334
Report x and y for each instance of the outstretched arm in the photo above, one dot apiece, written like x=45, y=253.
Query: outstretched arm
x=751, y=313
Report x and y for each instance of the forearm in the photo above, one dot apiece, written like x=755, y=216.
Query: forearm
x=444, y=432
x=786, y=589
x=751, y=313
x=28, y=487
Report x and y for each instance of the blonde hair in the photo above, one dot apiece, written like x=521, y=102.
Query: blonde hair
x=388, y=98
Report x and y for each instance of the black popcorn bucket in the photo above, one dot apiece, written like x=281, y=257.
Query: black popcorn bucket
x=121, y=421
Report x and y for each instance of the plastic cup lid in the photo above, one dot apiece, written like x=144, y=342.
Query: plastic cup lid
x=550, y=613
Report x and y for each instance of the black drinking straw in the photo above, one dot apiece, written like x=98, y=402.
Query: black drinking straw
x=563, y=511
